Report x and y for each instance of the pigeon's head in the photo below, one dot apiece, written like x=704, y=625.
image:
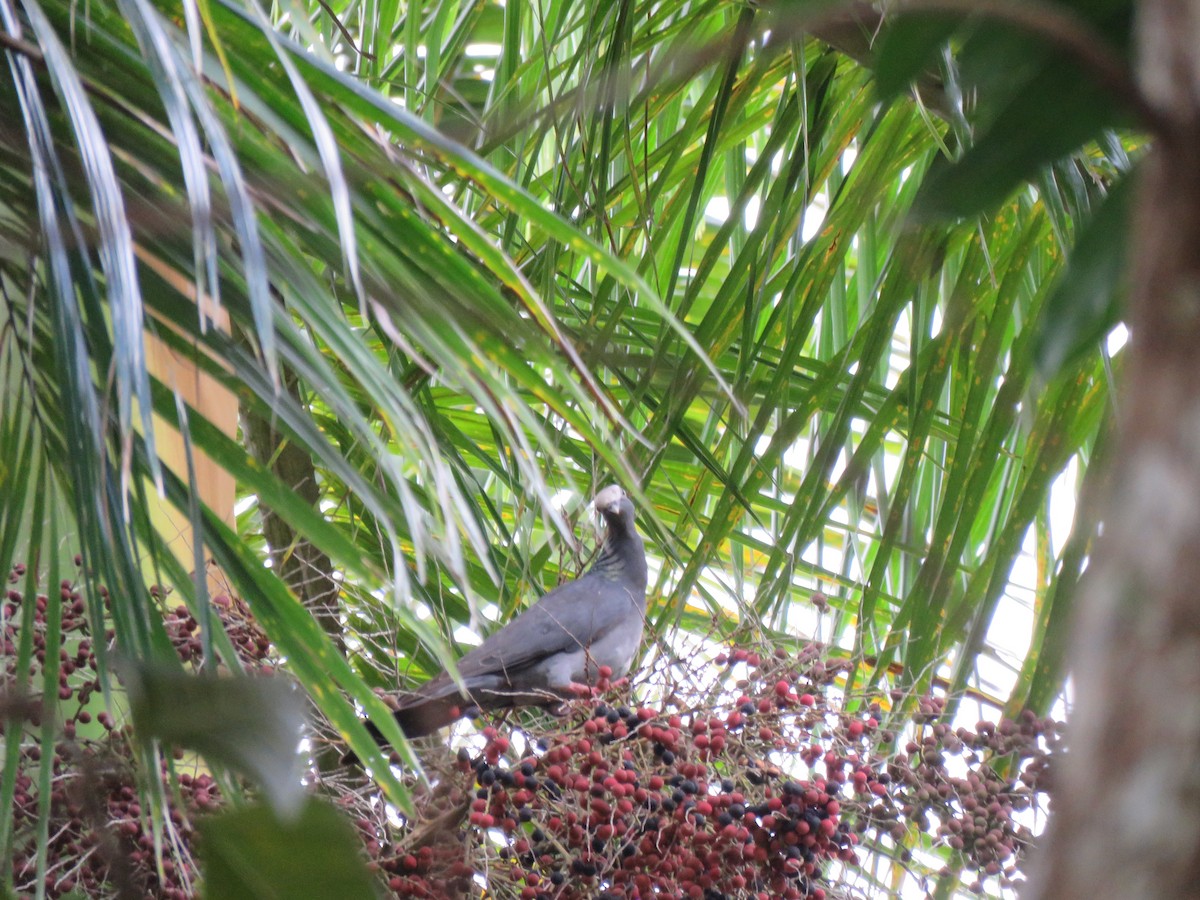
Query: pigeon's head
x=616, y=507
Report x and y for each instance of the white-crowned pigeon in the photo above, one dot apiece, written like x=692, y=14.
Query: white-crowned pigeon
x=561, y=640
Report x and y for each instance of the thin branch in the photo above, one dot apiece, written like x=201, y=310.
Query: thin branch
x=25, y=48
x=349, y=38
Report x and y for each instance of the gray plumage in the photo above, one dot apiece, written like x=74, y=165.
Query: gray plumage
x=564, y=638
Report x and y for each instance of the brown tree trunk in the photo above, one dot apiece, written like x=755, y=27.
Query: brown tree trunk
x=1125, y=820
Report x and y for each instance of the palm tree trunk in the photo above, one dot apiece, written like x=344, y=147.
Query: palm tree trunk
x=306, y=569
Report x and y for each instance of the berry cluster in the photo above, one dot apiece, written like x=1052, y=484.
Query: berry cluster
x=100, y=838
x=249, y=640
x=761, y=786
x=754, y=775
x=977, y=812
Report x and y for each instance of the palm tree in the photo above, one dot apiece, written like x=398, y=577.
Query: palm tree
x=457, y=265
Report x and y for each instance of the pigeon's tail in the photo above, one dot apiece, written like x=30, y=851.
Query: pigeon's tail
x=429, y=715
x=416, y=720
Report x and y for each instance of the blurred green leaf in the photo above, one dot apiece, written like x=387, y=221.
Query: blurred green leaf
x=907, y=47
x=1085, y=303
x=251, y=724
x=249, y=854
x=1053, y=114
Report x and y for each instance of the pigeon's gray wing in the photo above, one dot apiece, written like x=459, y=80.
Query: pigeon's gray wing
x=572, y=616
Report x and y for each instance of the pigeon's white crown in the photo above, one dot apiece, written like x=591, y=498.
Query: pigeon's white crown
x=609, y=497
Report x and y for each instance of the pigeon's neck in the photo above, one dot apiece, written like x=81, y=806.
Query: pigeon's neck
x=622, y=557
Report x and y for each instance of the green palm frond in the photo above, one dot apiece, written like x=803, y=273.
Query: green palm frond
x=479, y=259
